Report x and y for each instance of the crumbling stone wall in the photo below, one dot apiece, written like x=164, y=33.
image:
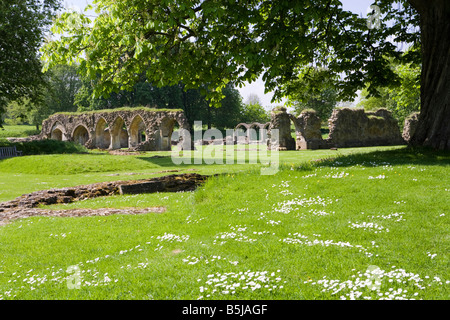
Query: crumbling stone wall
x=247, y=133
x=410, y=126
x=169, y=183
x=307, y=129
x=351, y=127
x=280, y=120
x=140, y=129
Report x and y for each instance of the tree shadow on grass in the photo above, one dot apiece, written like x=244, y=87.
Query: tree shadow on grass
x=167, y=161
x=406, y=156
x=162, y=161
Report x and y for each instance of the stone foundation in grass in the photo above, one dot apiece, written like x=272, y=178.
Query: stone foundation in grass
x=169, y=183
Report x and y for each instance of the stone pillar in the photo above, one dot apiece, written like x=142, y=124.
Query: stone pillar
x=307, y=128
x=280, y=120
x=410, y=126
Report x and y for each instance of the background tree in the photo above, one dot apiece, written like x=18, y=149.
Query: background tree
x=401, y=100
x=217, y=41
x=228, y=114
x=253, y=110
x=381, y=100
x=23, y=24
x=314, y=89
x=253, y=98
x=17, y=112
x=192, y=101
x=62, y=83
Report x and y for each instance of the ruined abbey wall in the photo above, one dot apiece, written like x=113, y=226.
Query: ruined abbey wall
x=140, y=129
x=359, y=128
x=349, y=127
x=144, y=129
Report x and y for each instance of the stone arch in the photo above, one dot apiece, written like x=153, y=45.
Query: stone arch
x=166, y=128
x=112, y=128
x=58, y=132
x=176, y=135
x=102, y=135
x=297, y=125
x=241, y=125
x=80, y=134
x=265, y=132
x=254, y=131
x=137, y=131
x=240, y=133
x=119, y=134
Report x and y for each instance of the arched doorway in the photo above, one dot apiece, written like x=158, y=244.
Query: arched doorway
x=240, y=133
x=80, y=135
x=58, y=132
x=138, y=132
x=119, y=134
x=265, y=132
x=166, y=128
x=102, y=136
x=253, y=132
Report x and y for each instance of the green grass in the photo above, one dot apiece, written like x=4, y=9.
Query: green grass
x=312, y=224
x=26, y=174
x=17, y=131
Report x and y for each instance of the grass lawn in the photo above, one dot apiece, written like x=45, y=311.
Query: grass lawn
x=16, y=131
x=368, y=223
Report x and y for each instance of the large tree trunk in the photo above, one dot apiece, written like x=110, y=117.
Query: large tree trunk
x=434, y=120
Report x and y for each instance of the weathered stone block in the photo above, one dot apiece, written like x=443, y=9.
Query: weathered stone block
x=410, y=126
x=281, y=121
x=307, y=129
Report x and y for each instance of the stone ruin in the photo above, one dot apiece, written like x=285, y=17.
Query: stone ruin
x=249, y=133
x=168, y=183
x=410, y=126
x=348, y=127
x=28, y=205
x=139, y=129
x=359, y=128
x=144, y=129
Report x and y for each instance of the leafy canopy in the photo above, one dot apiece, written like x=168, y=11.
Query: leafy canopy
x=23, y=24
x=402, y=100
x=314, y=89
x=58, y=95
x=216, y=42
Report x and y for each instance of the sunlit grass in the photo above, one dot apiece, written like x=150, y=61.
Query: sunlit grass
x=315, y=230
x=17, y=131
x=26, y=174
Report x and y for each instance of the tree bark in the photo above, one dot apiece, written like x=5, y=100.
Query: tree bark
x=433, y=127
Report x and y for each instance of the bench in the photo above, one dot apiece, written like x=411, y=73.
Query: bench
x=9, y=152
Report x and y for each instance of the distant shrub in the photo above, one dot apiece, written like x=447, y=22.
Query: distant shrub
x=45, y=147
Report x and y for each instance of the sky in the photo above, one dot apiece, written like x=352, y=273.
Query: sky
x=359, y=7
